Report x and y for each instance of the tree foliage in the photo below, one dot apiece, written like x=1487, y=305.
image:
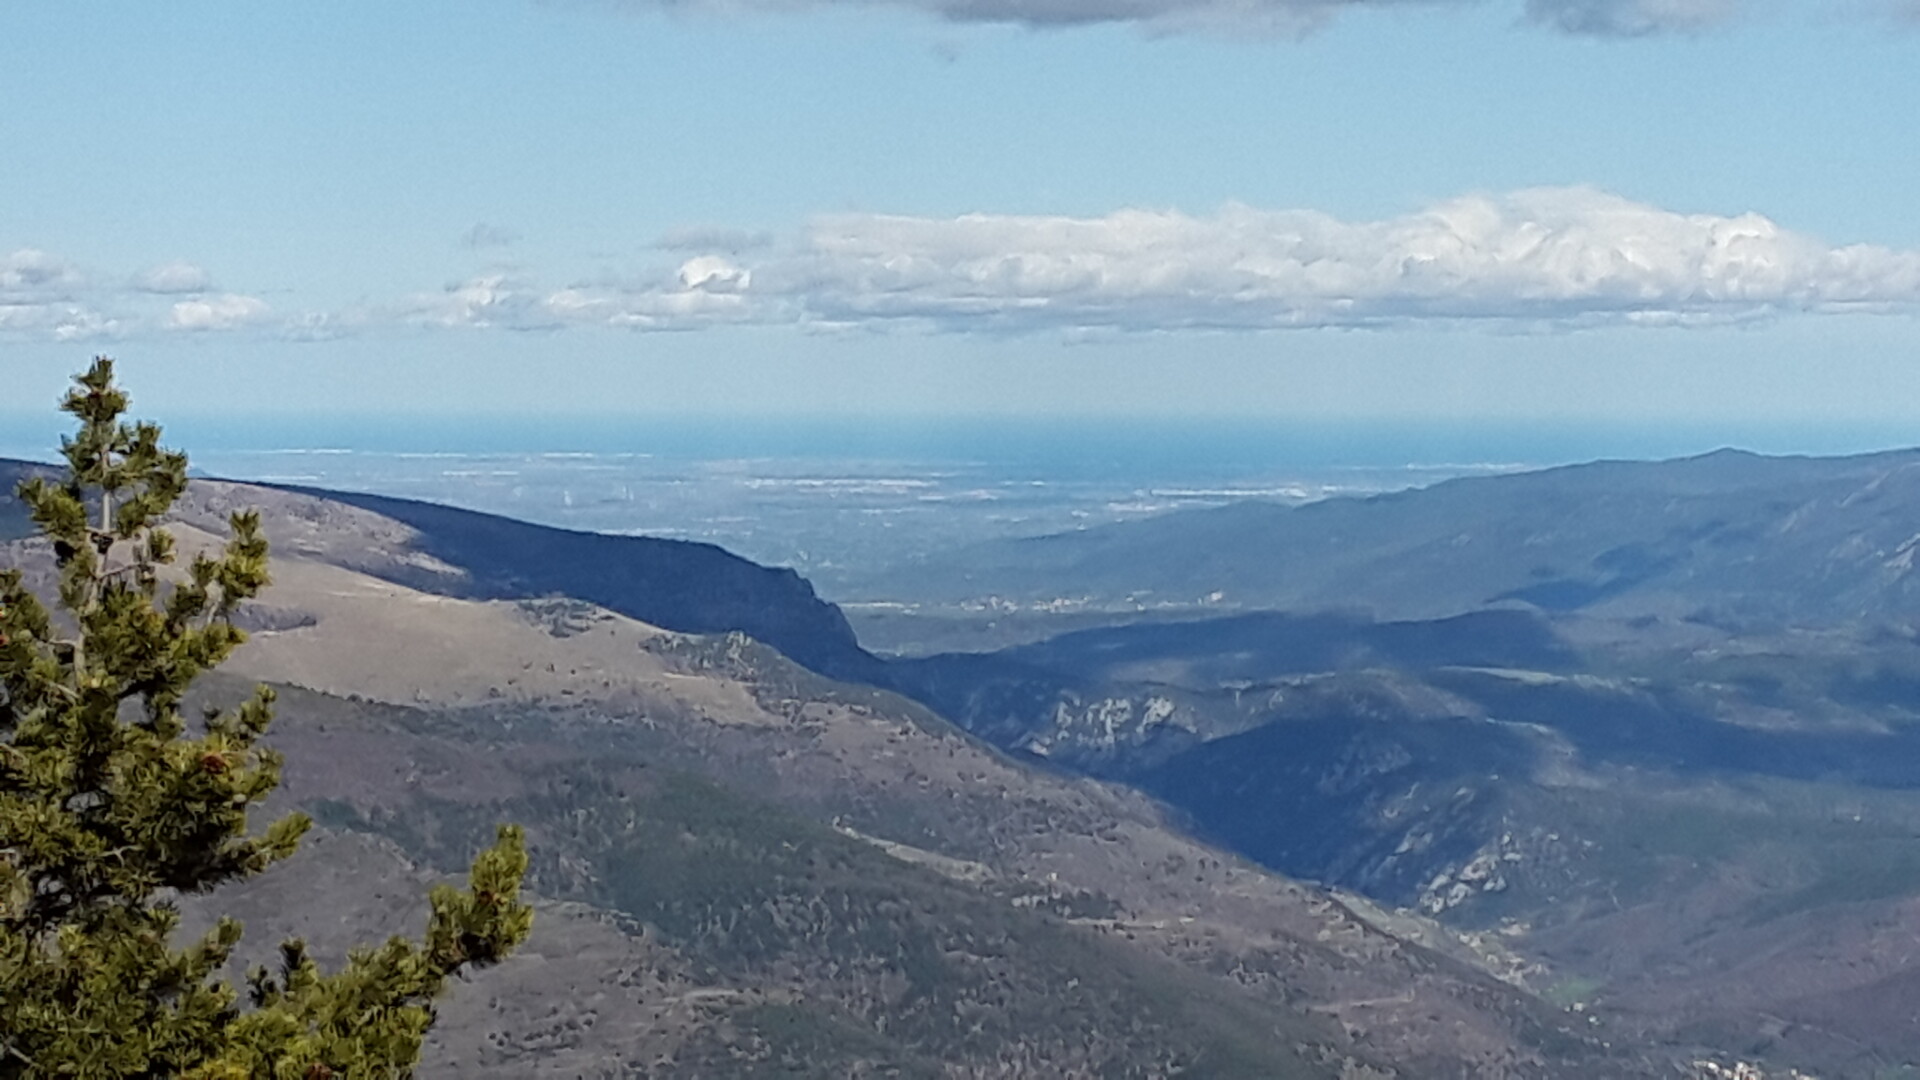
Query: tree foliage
x=113, y=805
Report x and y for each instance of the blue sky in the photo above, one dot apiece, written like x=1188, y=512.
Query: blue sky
x=1687, y=211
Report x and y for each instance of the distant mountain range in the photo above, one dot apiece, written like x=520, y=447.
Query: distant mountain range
x=1727, y=538
x=1656, y=724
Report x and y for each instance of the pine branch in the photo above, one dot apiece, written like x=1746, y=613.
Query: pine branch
x=100, y=815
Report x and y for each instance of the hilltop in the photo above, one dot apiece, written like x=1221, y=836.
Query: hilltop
x=1727, y=539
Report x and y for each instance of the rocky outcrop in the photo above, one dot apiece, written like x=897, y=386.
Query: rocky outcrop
x=678, y=585
x=673, y=584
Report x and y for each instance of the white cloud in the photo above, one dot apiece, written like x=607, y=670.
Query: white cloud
x=40, y=295
x=44, y=296
x=1615, y=18
x=227, y=311
x=705, y=290
x=58, y=321
x=174, y=277
x=1546, y=258
x=491, y=300
x=713, y=274
x=77, y=323
x=1565, y=257
x=30, y=269
x=325, y=325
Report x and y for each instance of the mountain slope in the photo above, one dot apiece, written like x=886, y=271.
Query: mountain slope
x=787, y=875
x=741, y=715
x=679, y=585
x=674, y=584
x=1729, y=537
x=1707, y=844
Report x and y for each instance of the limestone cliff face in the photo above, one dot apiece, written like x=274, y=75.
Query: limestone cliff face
x=674, y=584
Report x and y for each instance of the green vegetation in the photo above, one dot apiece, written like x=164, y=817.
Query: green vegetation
x=111, y=803
x=1754, y=852
x=892, y=969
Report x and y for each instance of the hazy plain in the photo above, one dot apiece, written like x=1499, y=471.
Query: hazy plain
x=835, y=498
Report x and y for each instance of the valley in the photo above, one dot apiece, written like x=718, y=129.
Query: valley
x=1652, y=725
x=1459, y=833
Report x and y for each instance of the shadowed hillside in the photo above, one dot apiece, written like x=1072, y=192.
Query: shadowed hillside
x=1731, y=538
x=1661, y=736
x=749, y=869
x=675, y=584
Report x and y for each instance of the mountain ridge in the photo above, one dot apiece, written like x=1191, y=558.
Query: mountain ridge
x=1729, y=537
x=825, y=879
x=1426, y=764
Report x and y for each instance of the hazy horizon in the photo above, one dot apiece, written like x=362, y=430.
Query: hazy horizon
x=1116, y=440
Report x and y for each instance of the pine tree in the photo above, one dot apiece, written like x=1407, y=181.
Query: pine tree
x=112, y=805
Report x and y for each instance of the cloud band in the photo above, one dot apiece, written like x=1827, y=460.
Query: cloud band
x=1539, y=259
x=1554, y=257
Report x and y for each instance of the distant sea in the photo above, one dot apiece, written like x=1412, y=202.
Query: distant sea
x=1091, y=444
x=829, y=495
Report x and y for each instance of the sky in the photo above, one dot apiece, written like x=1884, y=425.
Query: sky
x=1687, y=212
